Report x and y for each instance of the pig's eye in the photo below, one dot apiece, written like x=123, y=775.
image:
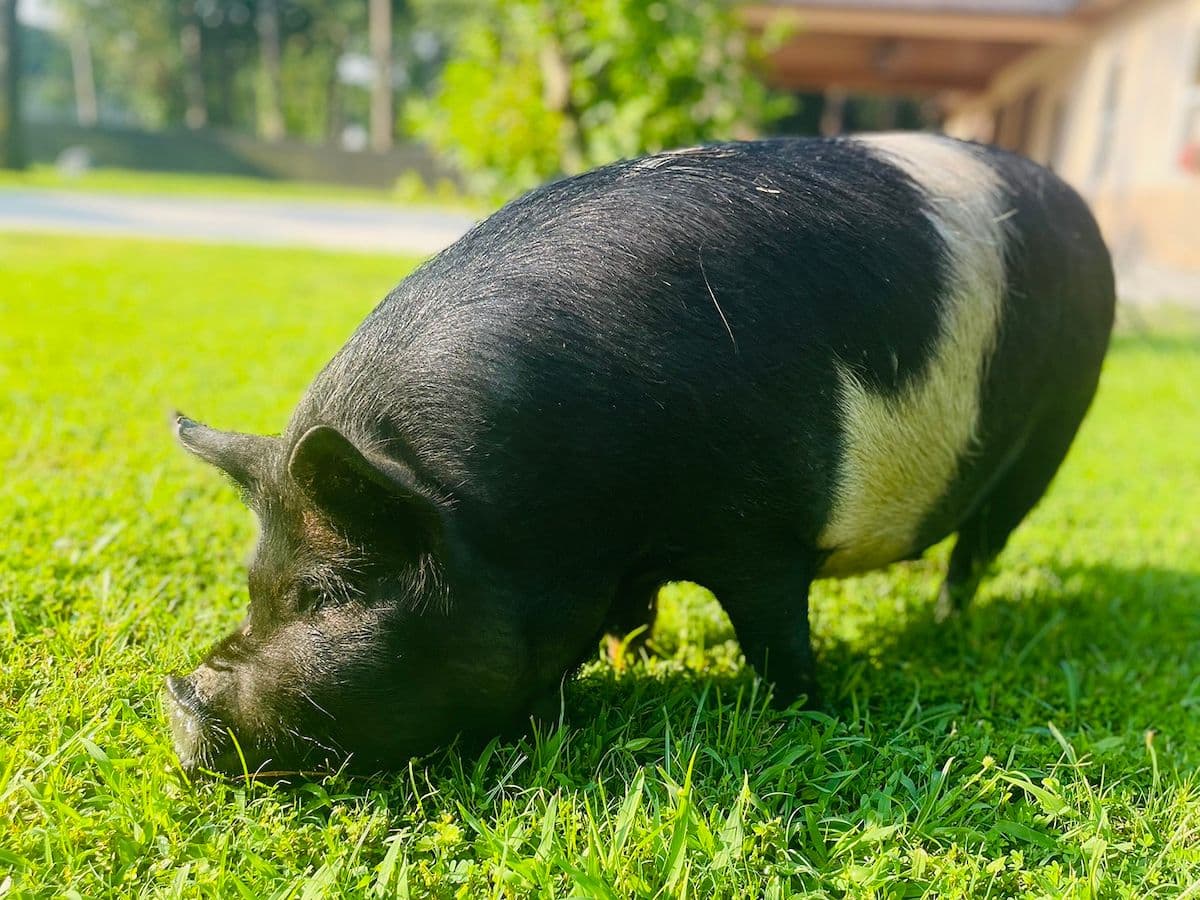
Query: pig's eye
x=309, y=597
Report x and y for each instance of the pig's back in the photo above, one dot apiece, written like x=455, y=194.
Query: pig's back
x=818, y=342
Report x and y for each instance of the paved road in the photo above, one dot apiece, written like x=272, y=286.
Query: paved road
x=306, y=223
x=347, y=226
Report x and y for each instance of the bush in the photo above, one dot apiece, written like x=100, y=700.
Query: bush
x=539, y=88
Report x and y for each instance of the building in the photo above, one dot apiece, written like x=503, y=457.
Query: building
x=1106, y=92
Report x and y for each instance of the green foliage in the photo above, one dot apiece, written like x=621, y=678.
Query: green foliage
x=135, y=48
x=316, y=107
x=139, y=63
x=308, y=72
x=513, y=92
x=46, y=64
x=537, y=88
x=1046, y=746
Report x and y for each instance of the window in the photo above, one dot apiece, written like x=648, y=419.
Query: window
x=1106, y=137
x=1190, y=149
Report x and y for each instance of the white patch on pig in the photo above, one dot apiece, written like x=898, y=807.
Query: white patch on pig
x=903, y=451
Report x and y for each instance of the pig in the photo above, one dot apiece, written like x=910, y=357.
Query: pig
x=748, y=365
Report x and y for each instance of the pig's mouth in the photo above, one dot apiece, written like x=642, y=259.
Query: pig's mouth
x=207, y=746
x=204, y=743
x=191, y=726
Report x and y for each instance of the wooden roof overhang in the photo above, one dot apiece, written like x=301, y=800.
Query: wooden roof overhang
x=887, y=50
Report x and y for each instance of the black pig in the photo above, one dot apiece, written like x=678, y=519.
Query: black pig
x=749, y=365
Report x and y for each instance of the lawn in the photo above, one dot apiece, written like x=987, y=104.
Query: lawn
x=1046, y=746
x=129, y=181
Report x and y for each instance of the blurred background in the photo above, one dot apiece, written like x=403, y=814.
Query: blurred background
x=136, y=116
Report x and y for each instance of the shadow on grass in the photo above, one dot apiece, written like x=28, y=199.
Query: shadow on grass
x=914, y=711
x=1096, y=650
x=1052, y=647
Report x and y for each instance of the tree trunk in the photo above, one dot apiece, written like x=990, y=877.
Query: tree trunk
x=382, y=100
x=270, y=91
x=556, y=94
x=195, y=105
x=12, y=137
x=335, y=118
x=87, y=110
x=222, y=111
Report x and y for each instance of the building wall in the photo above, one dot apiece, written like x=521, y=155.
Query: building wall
x=1113, y=116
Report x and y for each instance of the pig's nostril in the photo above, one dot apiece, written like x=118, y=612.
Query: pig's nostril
x=183, y=692
x=188, y=723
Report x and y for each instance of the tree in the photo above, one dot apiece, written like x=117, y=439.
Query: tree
x=130, y=54
x=83, y=77
x=191, y=45
x=270, y=91
x=537, y=88
x=314, y=38
x=382, y=99
x=12, y=138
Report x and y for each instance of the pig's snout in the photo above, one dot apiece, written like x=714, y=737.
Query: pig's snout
x=183, y=693
x=197, y=733
x=187, y=719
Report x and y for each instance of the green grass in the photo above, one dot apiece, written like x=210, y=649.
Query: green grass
x=129, y=181
x=1047, y=746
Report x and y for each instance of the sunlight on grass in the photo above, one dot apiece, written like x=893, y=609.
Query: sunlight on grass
x=1046, y=746
x=128, y=181
x=207, y=185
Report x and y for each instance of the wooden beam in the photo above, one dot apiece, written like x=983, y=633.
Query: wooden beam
x=863, y=80
x=810, y=61
x=1095, y=8
x=991, y=27
x=863, y=83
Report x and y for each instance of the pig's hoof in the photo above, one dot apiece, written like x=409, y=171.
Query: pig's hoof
x=951, y=602
x=801, y=693
x=549, y=710
x=944, y=609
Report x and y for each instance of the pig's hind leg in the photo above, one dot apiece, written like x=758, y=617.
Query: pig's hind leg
x=769, y=613
x=984, y=533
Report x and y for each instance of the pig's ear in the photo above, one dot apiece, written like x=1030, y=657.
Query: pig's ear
x=246, y=458
x=371, y=495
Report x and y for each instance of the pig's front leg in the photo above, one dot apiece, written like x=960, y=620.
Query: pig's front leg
x=770, y=615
